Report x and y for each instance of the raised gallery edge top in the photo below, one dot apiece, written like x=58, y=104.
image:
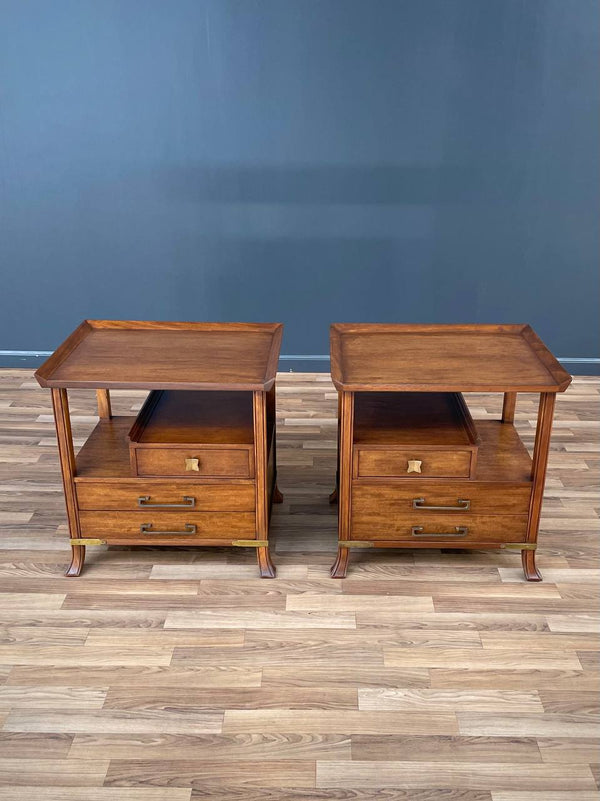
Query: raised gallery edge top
x=165, y=355
x=442, y=358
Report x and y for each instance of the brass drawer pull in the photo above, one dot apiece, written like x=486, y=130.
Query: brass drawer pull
x=188, y=503
x=189, y=528
x=460, y=531
x=192, y=464
x=463, y=505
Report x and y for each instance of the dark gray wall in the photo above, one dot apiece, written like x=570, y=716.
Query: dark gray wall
x=299, y=160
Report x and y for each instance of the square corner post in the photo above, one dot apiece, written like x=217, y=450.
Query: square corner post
x=508, y=407
x=541, y=451
x=271, y=401
x=345, y=450
x=64, y=436
x=103, y=400
x=333, y=496
x=260, y=404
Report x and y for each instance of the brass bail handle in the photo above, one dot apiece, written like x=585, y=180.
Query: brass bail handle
x=189, y=528
x=187, y=502
x=462, y=504
x=459, y=531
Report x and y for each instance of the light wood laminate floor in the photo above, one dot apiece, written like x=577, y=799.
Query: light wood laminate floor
x=170, y=674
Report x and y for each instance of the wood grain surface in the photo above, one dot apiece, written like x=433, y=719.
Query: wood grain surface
x=165, y=355
x=408, y=357
x=175, y=674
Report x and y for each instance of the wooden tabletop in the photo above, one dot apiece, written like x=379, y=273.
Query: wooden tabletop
x=165, y=355
x=442, y=358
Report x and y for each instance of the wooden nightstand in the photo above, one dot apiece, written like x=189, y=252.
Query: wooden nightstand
x=414, y=471
x=198, y=465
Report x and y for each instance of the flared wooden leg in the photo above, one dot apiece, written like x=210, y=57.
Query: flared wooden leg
x=340, y=566
x=77, y=560
x=265, y=566
x=333, y=496
x=277, y=497
x=529, y=567
x=64, y=436
x=344, y=481
x=541, y=450
x=263, y=556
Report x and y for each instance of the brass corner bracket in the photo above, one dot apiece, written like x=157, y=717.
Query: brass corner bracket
x=251, y=543
x=355, y=544
x=519, y=546
x=84, y=541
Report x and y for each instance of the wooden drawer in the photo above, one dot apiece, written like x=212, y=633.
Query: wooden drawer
x=206, y=462
x=438, y=527
x=174, y=528
x=465, y=498
x=143, y=496
x=413, y=434
x=395, y=463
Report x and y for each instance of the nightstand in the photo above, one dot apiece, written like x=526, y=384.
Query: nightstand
x=414, y=470
x=198, y=464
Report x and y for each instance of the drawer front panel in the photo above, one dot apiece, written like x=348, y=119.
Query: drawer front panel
x=401, y=498
x=372, y=462
x=143, y=496
x=438, y=527
x=194, y=463
x=175, y=528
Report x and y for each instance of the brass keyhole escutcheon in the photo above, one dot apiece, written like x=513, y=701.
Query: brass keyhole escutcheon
x=192, y=464
x=414, y=466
